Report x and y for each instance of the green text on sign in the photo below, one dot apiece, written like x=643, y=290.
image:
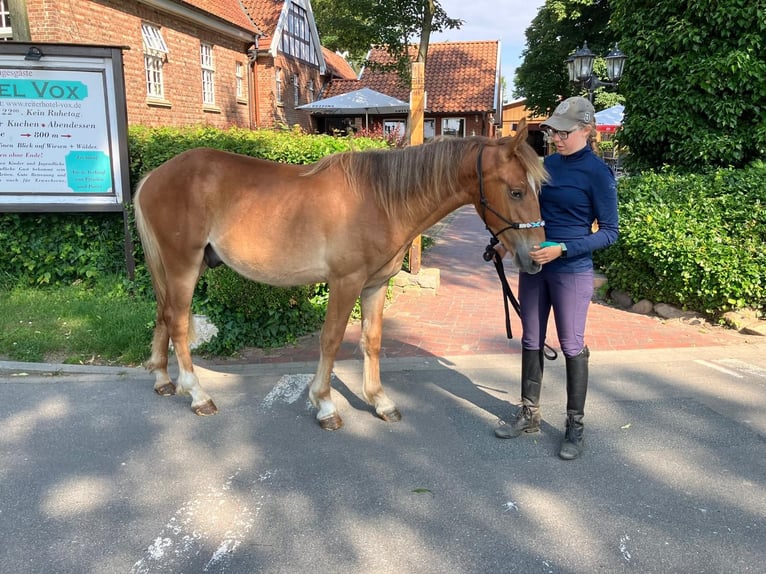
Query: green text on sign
x=43, y=90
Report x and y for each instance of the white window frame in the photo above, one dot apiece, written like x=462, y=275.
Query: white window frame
x=310, y=91
x=296, y=90
x=6, y=32
x=297, y=40
x=155, y=55
x=207, y=63
x=459, y=129
x=239, y=73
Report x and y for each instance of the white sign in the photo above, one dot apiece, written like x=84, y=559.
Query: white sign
x=58, y=132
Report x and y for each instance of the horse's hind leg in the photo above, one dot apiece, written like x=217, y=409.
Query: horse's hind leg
x=177, y=317
x=372, y=302
x=158, y=363
x=342, y=298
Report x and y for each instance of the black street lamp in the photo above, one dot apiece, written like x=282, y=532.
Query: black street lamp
x=580, y=68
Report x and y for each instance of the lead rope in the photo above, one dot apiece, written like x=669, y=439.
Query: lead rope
x=490, y=254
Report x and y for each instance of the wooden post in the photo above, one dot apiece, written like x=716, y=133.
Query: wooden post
x=417, y=108
x=17, y=10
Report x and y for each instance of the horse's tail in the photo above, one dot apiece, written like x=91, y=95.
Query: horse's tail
x=153, y=257
x=151, y=250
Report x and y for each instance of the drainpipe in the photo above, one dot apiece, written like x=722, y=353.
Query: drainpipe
x=255, y=101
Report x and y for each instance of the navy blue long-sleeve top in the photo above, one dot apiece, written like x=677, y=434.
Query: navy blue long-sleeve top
x=581, y=189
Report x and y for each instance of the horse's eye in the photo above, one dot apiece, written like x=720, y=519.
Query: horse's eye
x=516, y=193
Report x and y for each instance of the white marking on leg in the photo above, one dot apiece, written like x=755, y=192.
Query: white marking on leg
x=188, y=384
x=326, y=409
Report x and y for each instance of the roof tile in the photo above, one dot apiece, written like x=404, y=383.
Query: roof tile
x=460, y=77
x=337, y=65
x=229, y=10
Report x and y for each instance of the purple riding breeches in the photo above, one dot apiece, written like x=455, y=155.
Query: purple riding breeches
x=568, y=294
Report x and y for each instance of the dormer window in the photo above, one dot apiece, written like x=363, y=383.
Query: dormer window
x=296, y=36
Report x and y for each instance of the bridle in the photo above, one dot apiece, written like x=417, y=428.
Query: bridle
x=487, y=207
x=490, y=254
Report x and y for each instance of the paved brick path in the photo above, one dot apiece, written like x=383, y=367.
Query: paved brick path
x=466, y=315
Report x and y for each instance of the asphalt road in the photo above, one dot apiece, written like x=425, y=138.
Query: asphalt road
x=100, y=475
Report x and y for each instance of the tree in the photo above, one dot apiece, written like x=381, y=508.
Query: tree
x=695, y=86
x=355, y=26
x=560, y=27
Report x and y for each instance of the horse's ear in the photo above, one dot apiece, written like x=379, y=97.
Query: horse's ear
x=512, y=143
x=521, y=131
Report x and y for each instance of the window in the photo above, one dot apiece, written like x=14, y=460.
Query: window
x=208, y=74
x=241, y=85
x=155, y=53
x=296, y=90
x=296, y=35
x=453, y=127
x=394, y=128
x=310, y=91
x=5, y=21
x=429, y=129
x=278, y=87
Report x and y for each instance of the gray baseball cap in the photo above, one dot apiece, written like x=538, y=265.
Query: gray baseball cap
x=571, y=114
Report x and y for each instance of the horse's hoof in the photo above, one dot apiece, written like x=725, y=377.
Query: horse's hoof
x=333, y=422
x=392, y=416
x=166, y=390
x=205, y=409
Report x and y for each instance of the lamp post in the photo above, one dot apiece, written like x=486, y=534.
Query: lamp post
x=580, y=68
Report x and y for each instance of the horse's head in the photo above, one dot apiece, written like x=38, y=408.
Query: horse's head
x=510, y=174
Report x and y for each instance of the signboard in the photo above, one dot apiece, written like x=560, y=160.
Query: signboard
x=63, y=128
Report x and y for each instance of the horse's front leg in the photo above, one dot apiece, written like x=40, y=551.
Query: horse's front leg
x=372, y=302
x=343, y=295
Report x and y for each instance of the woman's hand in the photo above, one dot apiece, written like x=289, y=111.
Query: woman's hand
x=543, y=255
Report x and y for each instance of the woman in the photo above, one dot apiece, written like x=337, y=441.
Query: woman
x=581, y=189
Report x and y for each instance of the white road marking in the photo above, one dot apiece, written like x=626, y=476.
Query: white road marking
x=624, y=547
x=719, y=369
x=220, y=519
x=288, y=389
x=744, y=367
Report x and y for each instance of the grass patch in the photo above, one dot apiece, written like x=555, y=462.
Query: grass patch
x=76, y=324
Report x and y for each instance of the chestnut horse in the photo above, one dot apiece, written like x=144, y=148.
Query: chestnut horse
x=347, y=220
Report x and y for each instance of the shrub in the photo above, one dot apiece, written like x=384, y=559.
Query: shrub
x=249, y=313
x=692, y=240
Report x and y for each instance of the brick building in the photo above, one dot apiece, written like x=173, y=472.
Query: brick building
x=462, y=83
x=222, y=63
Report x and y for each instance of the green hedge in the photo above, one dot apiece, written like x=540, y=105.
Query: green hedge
x=696, y=241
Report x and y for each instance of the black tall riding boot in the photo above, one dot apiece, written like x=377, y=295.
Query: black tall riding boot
x=577, y=388
x=527, y=418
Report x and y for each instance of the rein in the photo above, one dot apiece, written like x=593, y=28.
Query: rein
x=490, y=254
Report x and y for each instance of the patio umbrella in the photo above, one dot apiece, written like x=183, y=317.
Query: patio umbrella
x=609, y=119
x=363, y=101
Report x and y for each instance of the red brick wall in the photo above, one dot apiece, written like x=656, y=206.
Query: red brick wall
x=273, y=114
x=118, y=23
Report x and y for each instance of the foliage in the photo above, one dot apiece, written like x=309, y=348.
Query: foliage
x=77, y=323
x=695, y=83
x=692, y=240
x=560, y=27
x=56, y=248
x=354, y=26
x=248, y=313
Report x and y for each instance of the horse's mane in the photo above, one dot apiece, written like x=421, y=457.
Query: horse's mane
x=402, y=180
